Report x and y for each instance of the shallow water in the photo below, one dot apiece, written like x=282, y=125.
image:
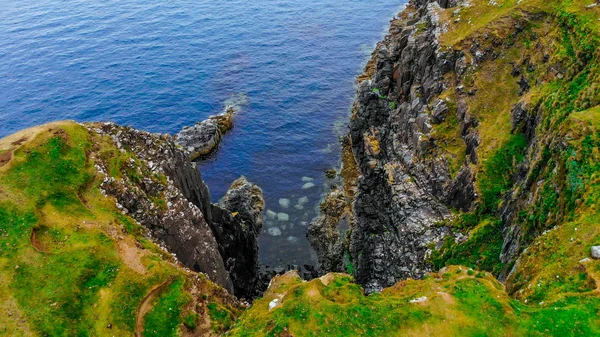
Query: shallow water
x=160, y=65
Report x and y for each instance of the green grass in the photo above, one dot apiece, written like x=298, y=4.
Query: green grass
x=221, y=318
x=53, y=172
x=458, y=303
x=496, y=177
x=72, y=280
x=166, y=316
x=481, y=250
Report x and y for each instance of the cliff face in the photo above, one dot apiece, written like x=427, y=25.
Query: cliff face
x=162, y=190
x=461, y=145
x=401, y=191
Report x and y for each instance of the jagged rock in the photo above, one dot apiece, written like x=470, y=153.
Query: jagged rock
x=237, y=222
x=400, y=186
x=324, y=233
x=204, y=137
x=218, y=240
x=182, y=225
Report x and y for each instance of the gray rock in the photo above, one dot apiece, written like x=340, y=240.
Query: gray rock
x=595, y=252
x=274, y=231
x=184, y=225
x=324, y=233
x=204, y=137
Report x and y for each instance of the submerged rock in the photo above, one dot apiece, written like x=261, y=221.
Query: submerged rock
x=285, y=203
x=274, y=231
x=308, y=185
x=283, y=217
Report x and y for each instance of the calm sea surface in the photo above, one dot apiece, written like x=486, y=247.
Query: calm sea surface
x=160, y=65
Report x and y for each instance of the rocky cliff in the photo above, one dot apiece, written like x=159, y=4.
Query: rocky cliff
x=461, y=147
x=162, y=190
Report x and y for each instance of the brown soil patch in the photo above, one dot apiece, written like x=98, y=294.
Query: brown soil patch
x=325, y=279
x=132, y=256
x=146, y=305
x=446, y=297
x=19, y=141
x=35, y=243
x=5, y=157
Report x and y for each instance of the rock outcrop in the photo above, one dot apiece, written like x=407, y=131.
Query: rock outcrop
x=403, y=191
x=236, y=223
x=324, y=234
x=203, y=138
x=163, y=190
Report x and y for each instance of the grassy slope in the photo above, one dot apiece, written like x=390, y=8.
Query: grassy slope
x=70, y=263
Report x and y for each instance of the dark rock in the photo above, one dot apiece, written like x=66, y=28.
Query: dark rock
x=236, y=223
x=523, y=85
x=331, y=174
x=402, y=190
x=324, y=233
x=218, y=240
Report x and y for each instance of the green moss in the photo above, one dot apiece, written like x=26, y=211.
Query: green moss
x=480, y=251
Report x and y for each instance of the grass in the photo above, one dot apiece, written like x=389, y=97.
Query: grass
x=453, y=302
x=221, y=318
x=166, y=316
x=481, y=251
x=496, y=176
x=71, y=279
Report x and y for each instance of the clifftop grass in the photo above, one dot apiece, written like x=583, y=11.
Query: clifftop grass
x=70, y=263
x=457, y=301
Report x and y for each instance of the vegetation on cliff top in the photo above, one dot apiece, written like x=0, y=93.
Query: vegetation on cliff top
x=71, y=264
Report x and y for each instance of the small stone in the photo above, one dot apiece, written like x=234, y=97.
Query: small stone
x=109, y=325
x=283, y=217
x=273, y=303
x=285, y=203
x=586, y=260
x=419, y=299
x=292, y=239
x=307, y=179
x=274, y=231
x=596, y=252
x=308, y=185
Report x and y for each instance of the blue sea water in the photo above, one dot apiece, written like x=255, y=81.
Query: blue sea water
x=159, y=65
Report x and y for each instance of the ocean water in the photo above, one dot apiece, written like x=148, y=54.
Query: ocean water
x=160, y=65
